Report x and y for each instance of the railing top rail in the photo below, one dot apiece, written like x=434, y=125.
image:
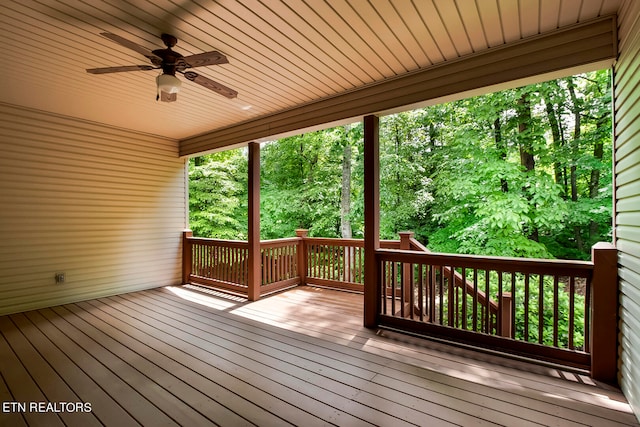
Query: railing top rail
x=505, y=264
x=390, y=244
x=416, y=245
x=219, y=242
x=333, y=241
x=276, y=243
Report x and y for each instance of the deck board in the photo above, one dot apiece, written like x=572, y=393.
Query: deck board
x=124, y=384
x=189, y=356
x=85, y=389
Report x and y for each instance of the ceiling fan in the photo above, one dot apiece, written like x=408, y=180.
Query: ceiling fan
x=170, y=62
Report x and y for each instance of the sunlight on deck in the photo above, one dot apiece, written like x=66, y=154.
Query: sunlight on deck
x=207, y=297
x=337, y=317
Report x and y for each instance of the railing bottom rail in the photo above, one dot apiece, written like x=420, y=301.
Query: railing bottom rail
x=578, y=360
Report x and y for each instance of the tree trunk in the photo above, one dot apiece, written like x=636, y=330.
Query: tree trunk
x=526, y=144
x=577, y=110
x=594, y=179
x=558, y=141
x=527, y=160
x=502, y=150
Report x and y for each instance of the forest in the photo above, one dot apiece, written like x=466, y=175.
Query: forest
x=524, y=172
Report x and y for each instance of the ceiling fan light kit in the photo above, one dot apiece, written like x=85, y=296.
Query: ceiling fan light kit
x=168, y=83
x=170, y=62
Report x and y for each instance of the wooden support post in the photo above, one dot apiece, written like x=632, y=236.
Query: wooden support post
x=604, y=319
x=187, y=258
x=302, y=255
x=506, y=303
x=254, y=274
x=372, y=293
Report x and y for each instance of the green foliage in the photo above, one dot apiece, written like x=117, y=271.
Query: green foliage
x=301, y=183
x=217, y=191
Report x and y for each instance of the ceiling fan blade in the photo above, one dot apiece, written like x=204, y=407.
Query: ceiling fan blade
x=133, y=46
x=123, y=68
x=210, y=84
x=206, y=58
x=168, y=97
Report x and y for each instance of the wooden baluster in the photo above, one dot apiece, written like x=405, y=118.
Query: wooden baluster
x=499, y=315
x=421, y=292
x=217, y=273
x=487, y=301
x=556, y=307
x=406, y=285
x=513, y=305
x=526, y=307
x=540, y=308
x=343, y=265
x=394, y=283
x=384, y=281
x=267, y=263
x=587, y=316
x=432, y=293
x=275, y=261
x=572, y=307
x=440, y=285
x=303, y=258
x=463, y=284
x=226, y=266
x=284, y=263
x=451, y=298
x=475, y=300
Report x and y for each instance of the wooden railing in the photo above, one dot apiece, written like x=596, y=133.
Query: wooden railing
x=217, y=263
x=527, y=307
x=335, y=263
x=339, y=263
x=280, y=269
x=545, y=309
x=223, y=264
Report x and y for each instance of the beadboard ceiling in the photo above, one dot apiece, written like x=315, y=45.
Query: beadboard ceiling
x=282, y=53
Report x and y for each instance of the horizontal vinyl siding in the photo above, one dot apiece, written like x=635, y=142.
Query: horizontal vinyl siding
x=103, y=205
x=627, y=133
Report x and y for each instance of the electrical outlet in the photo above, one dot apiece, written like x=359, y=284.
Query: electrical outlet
x=59, y=278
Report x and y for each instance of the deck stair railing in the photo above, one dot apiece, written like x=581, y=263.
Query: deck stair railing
x=552, y=310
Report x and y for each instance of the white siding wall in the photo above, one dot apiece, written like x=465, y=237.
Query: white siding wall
x=103, y=205
x=627, y=131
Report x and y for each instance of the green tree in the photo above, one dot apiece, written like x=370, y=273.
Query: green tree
x=302, y=182
x=217, y=195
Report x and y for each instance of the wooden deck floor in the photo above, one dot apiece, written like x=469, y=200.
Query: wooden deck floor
x=179, y=356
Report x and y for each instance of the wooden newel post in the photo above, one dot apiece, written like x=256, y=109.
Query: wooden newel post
x=187, y=259
x=302, y=255
x=506, y=305
x=604, y=319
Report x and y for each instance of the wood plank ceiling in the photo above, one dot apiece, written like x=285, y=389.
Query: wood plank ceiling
x=282, y=53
